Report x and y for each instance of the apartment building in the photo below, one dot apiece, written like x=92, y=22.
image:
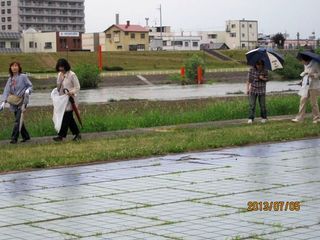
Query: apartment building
x=42, y=15
x=242, y=34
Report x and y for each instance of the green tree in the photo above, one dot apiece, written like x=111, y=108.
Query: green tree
x=191, y=66
x=279, y=39
x=291, y=69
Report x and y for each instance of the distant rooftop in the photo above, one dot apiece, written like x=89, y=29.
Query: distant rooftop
x=130, y=28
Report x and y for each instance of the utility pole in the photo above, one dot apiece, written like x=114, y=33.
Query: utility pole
x=160, y=9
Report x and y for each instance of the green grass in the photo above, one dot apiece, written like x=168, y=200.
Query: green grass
x=32, y=156
x=143, y=114
x=45, y=62
x=238, y=55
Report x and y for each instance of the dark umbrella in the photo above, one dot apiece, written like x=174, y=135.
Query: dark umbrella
x=310, y=54
x=74, y=107
x=271, y=59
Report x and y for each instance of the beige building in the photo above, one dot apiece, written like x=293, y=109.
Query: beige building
x=126, y=37
x=242, y=34
x=42, y=15
x=91, y=41
x=36, y=42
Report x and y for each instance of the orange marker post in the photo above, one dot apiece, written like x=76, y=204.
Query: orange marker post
x=100, y=58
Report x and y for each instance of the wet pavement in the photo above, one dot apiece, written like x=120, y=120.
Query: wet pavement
x=187, y=196
x=161, y=92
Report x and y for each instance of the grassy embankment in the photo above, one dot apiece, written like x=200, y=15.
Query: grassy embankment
x=128, y=115
x=45, y=62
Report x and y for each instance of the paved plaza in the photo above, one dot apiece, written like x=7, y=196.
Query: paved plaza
x=187, y=196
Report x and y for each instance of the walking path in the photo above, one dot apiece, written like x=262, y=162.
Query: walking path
x=188, y=196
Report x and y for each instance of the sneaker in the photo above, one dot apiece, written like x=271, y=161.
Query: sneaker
x=316, y=121
x=77, y=138
x=58, y=139
x=250, y=121
x=264, y=120
x=14, y=141
x=295, y=120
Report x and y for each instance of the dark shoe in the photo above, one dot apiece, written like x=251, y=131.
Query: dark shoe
x=77, y=138
x=58, y=139
x=25, y=140
x=14, y=141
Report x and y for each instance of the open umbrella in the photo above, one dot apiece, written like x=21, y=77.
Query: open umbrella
x=74, y=107
x=272, y=60
x=310, y=54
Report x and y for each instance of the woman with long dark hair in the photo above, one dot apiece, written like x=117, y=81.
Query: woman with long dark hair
x=67, y=83
x=16, y=93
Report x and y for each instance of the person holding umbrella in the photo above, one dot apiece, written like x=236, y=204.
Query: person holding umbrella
x=310, y=85
x=261, y=60
x=16, y=93
x=68, y=83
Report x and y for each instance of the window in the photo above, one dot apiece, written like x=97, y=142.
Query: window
x=243, y=35
x=243, y=45
x=212, y=36
x=2, y=45
x=8, y=3
x=3, y=11
x=126, y=33
x=141, y=47
x=186, y=44
x=3, y=19
x=178, y=43
x=132, y=36
x=15, y=45
x=9, y=27
x=48, y=45
x=233, y=35
x=250, y=25
x=9, y=19
x=108, y=35
x=143, y=35
x=243, y=26
x=165, y=43
x=233, y=26
x=3, y=27
x=119, y=47
x=195, y=44
x=31, y=44
x=9, y=11
x=3, y=4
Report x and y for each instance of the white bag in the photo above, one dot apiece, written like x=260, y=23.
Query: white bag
x=59, y=107
x=304, y=91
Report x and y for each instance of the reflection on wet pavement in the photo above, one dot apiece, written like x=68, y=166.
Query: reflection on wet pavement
x=187, y=196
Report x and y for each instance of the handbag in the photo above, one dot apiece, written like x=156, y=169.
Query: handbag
x=14, y=100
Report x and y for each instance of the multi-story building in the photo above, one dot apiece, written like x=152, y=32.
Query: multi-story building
x=242, y=34
x=42, y=15
x=127, y=37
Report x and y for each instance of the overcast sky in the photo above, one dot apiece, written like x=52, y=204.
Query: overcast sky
x=274, y=16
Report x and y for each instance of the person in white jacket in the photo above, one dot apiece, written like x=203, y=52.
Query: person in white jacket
x=310, y=88
x=67, y=80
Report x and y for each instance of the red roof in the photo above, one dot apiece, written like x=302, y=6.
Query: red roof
x=130, y=28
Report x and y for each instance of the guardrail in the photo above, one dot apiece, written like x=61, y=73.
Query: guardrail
x=135, y=73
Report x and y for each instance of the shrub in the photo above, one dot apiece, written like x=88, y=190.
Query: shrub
x=89, y=75
x=192, y=65
x=291, y=69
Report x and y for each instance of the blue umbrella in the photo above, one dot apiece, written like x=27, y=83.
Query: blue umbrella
x=310, y=54
x=271, y=59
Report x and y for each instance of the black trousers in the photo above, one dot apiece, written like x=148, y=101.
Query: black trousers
x=252, y=105
x=15, y=131
x=68, y=122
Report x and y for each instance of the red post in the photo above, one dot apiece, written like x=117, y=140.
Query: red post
x=183, y=72
x=200, y=75
x=100, y=58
